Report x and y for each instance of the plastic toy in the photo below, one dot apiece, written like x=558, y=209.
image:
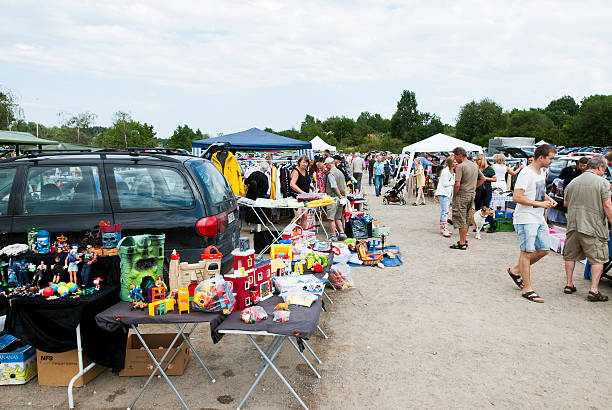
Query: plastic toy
x=282, y=306
x=72, y=262
x=283, y=251
x=48, y=291
x=136, y=294
x=40, y=270
x=317, y=267
x=89, y=258
x=161, y=307
x=183, y=300
x=281, y=316
x=278, y=267
x=299, y=268
x=214, y=296
x=57, y=268
x=133, y=250
x=253, y=314
x=212, y=257
x=60, y=245
x=43, y=241
x=97, y=281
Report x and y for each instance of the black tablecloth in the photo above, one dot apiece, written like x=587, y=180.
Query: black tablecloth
x=49, y=325
x=121, y=313
x=302, y=322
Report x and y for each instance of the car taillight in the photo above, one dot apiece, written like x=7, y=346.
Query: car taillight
x=207, y=226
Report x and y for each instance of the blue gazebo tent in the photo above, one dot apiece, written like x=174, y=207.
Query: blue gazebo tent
x=252, y=139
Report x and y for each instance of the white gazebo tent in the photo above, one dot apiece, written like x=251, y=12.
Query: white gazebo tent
x=435, y=143
x=319, y=145
x=542, y=142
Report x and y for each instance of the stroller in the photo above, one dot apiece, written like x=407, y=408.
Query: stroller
x=396, y=194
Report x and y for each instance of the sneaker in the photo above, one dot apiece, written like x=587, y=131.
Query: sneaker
x=333, y=238
x=342, y=236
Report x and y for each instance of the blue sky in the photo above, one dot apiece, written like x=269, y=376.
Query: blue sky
x=225, y=66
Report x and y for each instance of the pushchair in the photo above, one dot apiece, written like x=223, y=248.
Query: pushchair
x=396, y=194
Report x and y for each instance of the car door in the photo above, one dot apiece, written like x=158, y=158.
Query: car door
x=65, y=199
x=7, y=185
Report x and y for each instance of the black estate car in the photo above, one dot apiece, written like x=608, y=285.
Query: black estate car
x=184, y=197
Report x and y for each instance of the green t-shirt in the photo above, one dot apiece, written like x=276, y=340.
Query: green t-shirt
x=585, y=213
x=489, y=172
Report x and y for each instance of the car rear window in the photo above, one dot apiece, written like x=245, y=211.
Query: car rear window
x=146, y=187
x=6, y=183
x=218, y=190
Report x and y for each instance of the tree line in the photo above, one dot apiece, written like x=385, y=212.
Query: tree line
x=563, y=122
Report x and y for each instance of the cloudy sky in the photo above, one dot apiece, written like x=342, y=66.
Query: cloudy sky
x=225, y=66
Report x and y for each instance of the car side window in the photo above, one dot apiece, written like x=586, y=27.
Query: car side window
x=7, y=176
x=218, y=189
x=144, y=187
x=62, y=190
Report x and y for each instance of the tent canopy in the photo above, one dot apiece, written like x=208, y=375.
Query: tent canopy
x=254, y=139
x=440, y=142
x=319, y=145
x=542, y=142
x=22, y=138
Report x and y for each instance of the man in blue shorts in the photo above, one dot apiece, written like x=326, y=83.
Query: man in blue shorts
x=531, y=199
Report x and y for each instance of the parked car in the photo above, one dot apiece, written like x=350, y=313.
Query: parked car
x=517, y=153
x=184, y=197
x=556, y=190
x=568, y=150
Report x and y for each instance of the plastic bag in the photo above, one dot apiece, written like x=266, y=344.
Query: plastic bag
x=299, y=297
x=214, y=295
x=360, y=228
x=340, y=276
x=345, y=255
x=281, y=316
x=253, y=314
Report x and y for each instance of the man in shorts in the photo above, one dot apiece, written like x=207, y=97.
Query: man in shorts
x=467, y=178
x=531, y=199
x=335, y=186
x=587, y=199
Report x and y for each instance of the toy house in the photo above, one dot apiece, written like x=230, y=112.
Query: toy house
x=212, y=257
x=251, y=280
x=278, y=267
x=183, y=274
x=280, y=250
x=243, y=259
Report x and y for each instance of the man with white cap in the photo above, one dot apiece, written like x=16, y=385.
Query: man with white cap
x=335, y=186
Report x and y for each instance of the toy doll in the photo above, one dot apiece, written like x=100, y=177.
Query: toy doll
x=89, y=257
x=40, y=270
x=57, y=268
x=72, y=263
x=97, y=281
x=160, y=283
x=22, y=276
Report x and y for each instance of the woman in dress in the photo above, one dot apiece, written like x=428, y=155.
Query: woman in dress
x=300, y=184
x=501, y=169
x=444, y=192
x=484, y=191
x=419, y=173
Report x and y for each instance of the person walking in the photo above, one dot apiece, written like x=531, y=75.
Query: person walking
x=467, y=178
x=484, y=192
x=529, y=223
x=444, y=192
x=379, y=172
x=387, y=169
x=419, y=174
x=371, y=163
x=357, y=167
x=299, y=183
x=335, y=186
x=587, y=199
x=501, y=169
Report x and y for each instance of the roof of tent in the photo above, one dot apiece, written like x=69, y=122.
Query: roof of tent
x=440, y=142
x=542, y=142
x=319, y=145
x=22, y=138
x=255, y=139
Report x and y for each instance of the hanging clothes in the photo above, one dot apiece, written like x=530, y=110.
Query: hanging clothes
x=228, y=165
x=257, y=187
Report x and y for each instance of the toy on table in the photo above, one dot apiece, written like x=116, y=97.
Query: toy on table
x=281, y=316
x=299, y=267
x=212, y=257
x=89, y=258
x=38, y=275
x=282, y=306
x=322, y=246
x=161, y=307
x=214, y=296
x=57, y=268
x=251, y=280
x=183, y=300
x=159, y=291
x=72, y=262
x=18, y=272
x=60, y=245
x=283, y=251
x=253, y=314
x=97, y=281
x=278, y=267
x=137, y=298
x=339, y=279
x=43, y=241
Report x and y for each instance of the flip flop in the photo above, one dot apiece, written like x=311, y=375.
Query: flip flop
x=569, y=289
x=518, y=280
x=462, y=246
x=532, y=297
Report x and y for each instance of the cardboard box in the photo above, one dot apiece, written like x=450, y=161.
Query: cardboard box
x=17, y=361
x=139, y=363
x=57, y=369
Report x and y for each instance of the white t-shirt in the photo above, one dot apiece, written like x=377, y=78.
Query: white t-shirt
x=500, y=174
x=534, y=185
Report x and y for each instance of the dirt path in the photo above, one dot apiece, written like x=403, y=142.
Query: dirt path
x=446, y=329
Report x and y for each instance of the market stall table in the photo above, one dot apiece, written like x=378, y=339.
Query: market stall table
x=121, y=314
x=301, y=325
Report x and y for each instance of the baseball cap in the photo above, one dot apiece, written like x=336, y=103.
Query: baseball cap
x=329, y=160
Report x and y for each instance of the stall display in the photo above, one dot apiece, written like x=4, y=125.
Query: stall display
x=141, y=256
x=214, y=295
x=72, y=262
x=253, y=314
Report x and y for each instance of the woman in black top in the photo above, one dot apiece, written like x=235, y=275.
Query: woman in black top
x=300, y=184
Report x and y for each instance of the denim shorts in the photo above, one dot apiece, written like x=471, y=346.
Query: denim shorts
x=533, y=236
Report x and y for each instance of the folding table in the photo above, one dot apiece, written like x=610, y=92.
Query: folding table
x=122, y=314
x=301, y=325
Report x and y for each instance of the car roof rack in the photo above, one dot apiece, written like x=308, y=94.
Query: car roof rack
x=136, y=154
x=161, y=150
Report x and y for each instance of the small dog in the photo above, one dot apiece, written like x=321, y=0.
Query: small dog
x=478, y=219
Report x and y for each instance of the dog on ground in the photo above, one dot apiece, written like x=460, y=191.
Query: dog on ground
x=478, y=219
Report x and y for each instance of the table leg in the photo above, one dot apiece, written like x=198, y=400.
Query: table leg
x=311, y=351
x=158, y=366
x=305, y=359
x=270, y=348
x=186, y=339
x=327, y=296
x=81, y=370
x=270, y=364
x=322, y=332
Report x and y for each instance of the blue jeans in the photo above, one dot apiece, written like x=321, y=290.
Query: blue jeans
x=533, y=236
x=85, y=273
x=444, y=205
x=378, y=182
x=371, y=177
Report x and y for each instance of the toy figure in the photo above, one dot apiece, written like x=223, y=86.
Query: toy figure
x=40, y=270
x=21, y=270
x=160, y=283
x=72, y=263
x=61, y=244
x=89, y=257
x=57, y=268
x=136, y=294
x=97, y=281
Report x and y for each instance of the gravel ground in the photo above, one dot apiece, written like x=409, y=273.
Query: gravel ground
x=446, y=329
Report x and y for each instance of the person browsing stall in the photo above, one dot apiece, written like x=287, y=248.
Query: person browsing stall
x=300, y=184
x=379, y=173
x=501, y=169
x=335, y=187
x=529, y=223
x=357, y=167
x=419, y=174
x=467, y=178
x=587, y=199
x=444, y=192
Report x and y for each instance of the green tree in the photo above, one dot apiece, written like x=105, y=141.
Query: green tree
x=183, y=136
x=594, y=121
x=125, y=132
x=310, y=128
x=561, y=110
x=9, y=109
x=479, y=118
x=406, y=117
x=80, y=121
